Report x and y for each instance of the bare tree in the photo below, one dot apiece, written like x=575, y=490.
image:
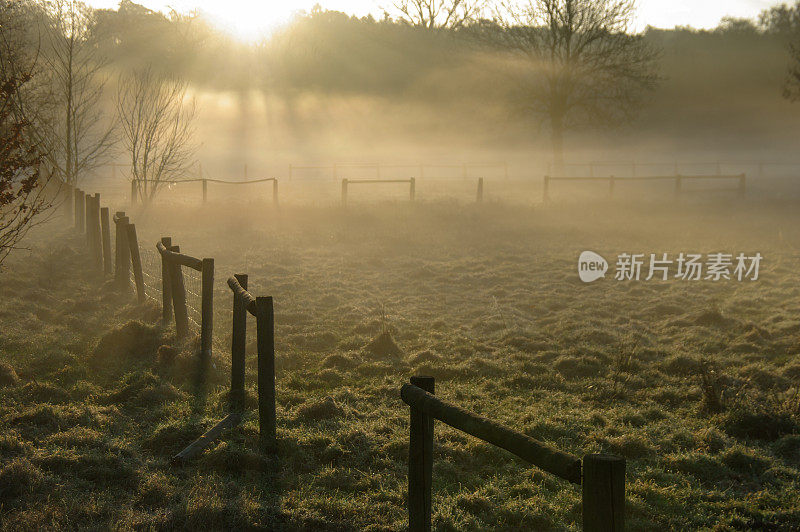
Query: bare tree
x=76, y=131
x=581, y=65
x=157, y=129
x=24, y=194
x=434, y=14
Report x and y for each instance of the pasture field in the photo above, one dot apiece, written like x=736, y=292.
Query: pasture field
x=694, y=382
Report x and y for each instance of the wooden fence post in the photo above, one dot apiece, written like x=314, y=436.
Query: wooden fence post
x=205, y=190
x=420, y=463
x=344, y=192
x=546, y=189
x=678, y=185
x=97, y=234
x=78, y=210
x=206, y=309
x=238, y=347
x=123, y=271
x=603, y=493
x=136, y=261
x=166, y=292
x=412, y=190
x=275, y=192
x=265, y=331
x=105, y=229
x=178, y=290
x=480, y=190
x=88, y=204
x=742, y=185
x=133, y=193
x=611, y=186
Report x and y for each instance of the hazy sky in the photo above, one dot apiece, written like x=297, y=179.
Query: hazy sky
x=248, y=18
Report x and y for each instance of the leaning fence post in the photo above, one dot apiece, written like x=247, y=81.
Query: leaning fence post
x=133, y=193
x=420, y=463
x=275, y=192
x=206, y=308
x=105, y=229
x=166, y=292
x=178, y=297
x=412, y=188
x=603, y=493
x=265, y=331
x=205, y=190
x=136, y=261
x=480, y=190
x=238, y=347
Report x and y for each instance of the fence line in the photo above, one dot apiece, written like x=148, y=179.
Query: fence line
x=612, y=180
x=602, y=477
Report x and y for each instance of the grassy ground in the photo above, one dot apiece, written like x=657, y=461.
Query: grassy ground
x=694, y=382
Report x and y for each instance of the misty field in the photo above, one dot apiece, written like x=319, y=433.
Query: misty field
x=694, y=382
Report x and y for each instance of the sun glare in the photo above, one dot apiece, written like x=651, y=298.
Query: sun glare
x=249, y=20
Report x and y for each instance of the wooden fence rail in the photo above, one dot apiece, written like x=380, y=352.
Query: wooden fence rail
x=602, y=476
x=612, y=180
x=205, y=181
x=412, y=186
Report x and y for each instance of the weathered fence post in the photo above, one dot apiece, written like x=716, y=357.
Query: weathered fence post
x=412, y=189
x=603, y=493
x=265, y=331
x=742, y=185
x=78, y=210
x=166, y=292
x=344, y=192
x=136, y=261
x=546, y=189
x=123, y=270
x=178, y=297
x=420, y=463
x=205, y=190
x=275, y=192
x=480, y=190
x=207, y=309
x=238, y=347
x=105, y=229
x=678, y=185
x=88, y=205
x=96, y=234
x=133, y=193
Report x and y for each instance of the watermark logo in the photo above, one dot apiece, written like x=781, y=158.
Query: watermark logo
x=662, y=267
x=591, y=266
